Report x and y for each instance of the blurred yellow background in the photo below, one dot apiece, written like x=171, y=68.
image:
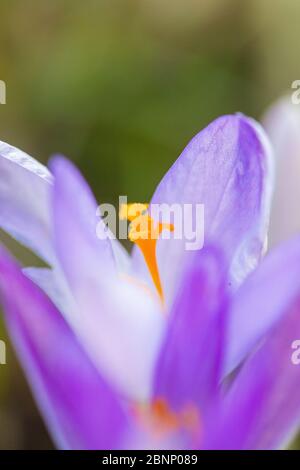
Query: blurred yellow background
x=120, y=86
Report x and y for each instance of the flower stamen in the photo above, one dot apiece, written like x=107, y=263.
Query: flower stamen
x=160, y=419
x=144, y=232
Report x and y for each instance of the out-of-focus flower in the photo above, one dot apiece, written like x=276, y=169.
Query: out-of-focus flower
x=110, y=365
x=282, y=123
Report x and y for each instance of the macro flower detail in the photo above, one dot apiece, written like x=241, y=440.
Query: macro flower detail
x=166, y=348
x=145, y=232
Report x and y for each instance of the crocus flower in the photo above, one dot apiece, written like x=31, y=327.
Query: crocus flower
x=196, y=355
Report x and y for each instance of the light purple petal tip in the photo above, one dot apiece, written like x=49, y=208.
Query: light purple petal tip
x=227, y=167
x=75, y=223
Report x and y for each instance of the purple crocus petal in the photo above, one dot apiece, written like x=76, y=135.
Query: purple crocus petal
x=227, y=168
x=24, y=191
x=262, y=408
x=262, y=300
x=189, y=365
x=117, y=320
x=79, y=407
x=282, y=123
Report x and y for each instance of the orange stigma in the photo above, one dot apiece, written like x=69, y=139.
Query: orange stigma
x=159, y=418
x=145, y=232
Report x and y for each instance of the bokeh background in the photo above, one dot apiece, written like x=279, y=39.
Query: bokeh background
x=120, y=86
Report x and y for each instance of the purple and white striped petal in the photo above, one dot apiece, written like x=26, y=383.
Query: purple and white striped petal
x=80, y=408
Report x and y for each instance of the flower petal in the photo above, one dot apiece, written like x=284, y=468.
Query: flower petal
x=282, y=123
x=226, y=168
x=117, y=320
x=190, y=361
x=53, y=283
x=75, y=218
x=24, y=191
x=262, y=300
x=79, y=407
x=262, y=408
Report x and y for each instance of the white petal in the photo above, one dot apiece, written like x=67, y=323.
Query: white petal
x=24, y=188
x=282, y=123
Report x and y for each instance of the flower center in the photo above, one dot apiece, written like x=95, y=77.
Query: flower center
x=144, y=232
x=161, y=420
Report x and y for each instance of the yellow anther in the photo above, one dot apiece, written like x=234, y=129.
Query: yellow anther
x=131, y=211
x=144, y=231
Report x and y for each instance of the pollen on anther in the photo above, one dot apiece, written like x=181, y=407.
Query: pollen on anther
x=144, y=231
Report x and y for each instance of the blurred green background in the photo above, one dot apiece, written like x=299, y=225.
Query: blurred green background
x=120, y=86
